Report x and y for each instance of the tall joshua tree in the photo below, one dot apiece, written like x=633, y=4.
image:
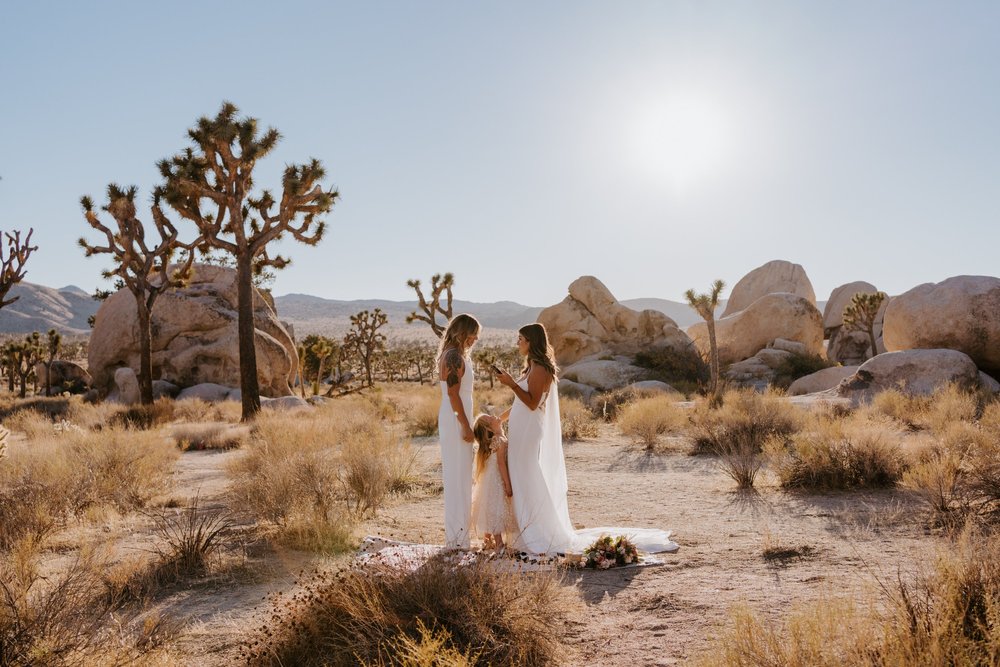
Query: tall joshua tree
x=861, y=313
x=365, y=340
x=217, y=173
x=143, y=268
x=12, y=263
x=52, y=347
x=704, y=305
x=431, y=309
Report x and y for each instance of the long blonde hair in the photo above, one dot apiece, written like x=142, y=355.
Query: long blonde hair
x=539, y=350
x=456, y=334
x=484, y=435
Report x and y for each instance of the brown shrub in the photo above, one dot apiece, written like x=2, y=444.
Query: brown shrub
x=648, y=418
x=578, y=422
x=197, y=437
x=477, y=613
x=746, y=419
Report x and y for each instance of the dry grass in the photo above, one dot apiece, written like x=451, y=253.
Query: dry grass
x=314, y=477
x=609, y=405
x=65, y=473
x=216, y=435
x=949, y=617
x=578, y=422
x=646, y=419
x=936, y=412
x=421, y=410
x=475, y=613
x=834, y=454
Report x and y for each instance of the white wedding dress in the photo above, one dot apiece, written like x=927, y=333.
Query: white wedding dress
x=538, y=478
x=456, y=464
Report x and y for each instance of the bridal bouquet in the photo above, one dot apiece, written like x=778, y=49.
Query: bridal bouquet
x=607, y=552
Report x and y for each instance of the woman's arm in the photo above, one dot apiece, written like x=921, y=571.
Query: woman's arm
x=454, y=370
x=505, y=415
x=501, y=454
x=539, y=381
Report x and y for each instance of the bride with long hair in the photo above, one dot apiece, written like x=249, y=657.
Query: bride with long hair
x=536, y=463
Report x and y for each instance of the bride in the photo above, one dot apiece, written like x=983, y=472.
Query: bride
x=537, y=467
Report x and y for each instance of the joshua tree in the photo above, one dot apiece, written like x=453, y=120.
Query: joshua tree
x=431, y=310
x=218, y=172
x=301, y=350
x=12, y=263
x=54, y=344
x=144, y=270
x=322, y=349
x=24, y=355
x=860, y=314
x=704, y=305
x=365, y=340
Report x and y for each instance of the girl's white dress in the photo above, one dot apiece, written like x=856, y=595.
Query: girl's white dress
x=492, y=511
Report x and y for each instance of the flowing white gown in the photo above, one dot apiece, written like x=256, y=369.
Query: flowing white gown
x=456, y=464
x=538, y=478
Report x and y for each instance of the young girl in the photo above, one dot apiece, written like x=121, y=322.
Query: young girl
x=492, y=512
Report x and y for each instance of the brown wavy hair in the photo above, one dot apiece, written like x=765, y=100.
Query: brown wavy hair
x=539, y=350
x=484, y=435
x=454, y=336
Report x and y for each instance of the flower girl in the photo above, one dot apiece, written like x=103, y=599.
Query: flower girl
x=492, y=512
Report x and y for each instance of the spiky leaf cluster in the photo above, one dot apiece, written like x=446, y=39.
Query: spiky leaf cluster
x=432, y=307
x=860, y=314
x=12, y=263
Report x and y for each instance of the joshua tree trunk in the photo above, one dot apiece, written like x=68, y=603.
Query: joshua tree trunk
x=248, y=352
x=145, y=352
x=319, y=376
x=714, y=353
x=871, y=340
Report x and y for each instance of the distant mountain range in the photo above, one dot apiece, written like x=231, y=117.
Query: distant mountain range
x=67, y=309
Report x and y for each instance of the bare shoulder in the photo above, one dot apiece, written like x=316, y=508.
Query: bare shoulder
x=539, y=374
x=452, y=366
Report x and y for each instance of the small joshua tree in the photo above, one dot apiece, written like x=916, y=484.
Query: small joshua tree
x=142, y=268
x=217, y=173
x=12, y=263
x=860, y=314
x=24, y=355
x=704, y=305
x=365, y=340
x=431, y=309
x=322, y=349
x=54, y=344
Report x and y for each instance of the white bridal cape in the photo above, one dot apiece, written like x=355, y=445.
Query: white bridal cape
x=538, y=477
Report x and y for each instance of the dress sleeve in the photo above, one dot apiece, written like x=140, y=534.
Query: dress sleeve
x=499, y=443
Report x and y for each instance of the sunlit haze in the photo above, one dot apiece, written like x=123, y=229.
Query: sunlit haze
x=657, y=146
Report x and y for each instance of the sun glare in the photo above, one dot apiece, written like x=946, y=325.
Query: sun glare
x=682, y=141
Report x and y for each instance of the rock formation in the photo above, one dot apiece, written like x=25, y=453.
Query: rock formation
x=840, y=298
x=775, y=276
x=64, y=376
x=743, y=334
x=917, y=372
x=591, y=323
x=821, y=380
x=194, y=336
x=961, y=313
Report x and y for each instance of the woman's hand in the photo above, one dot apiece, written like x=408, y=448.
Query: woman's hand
x=509, y=491
x=467, y=434
x=504, y=378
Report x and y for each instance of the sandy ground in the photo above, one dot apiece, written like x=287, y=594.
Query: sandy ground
x=662, y=615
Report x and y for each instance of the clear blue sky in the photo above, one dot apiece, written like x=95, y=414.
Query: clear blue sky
x=656, y=145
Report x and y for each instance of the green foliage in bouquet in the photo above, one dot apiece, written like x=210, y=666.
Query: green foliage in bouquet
x=607, y=552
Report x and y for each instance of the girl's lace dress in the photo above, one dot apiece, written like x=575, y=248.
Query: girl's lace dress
x=492, y=511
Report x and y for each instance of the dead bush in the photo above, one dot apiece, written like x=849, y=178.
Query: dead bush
x=745, y=420
x=478, y=613
x=218, y=435
x=578, y=422
x=608, y=406
x=646, y=419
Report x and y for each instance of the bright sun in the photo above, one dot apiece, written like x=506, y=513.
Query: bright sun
x=681, y=141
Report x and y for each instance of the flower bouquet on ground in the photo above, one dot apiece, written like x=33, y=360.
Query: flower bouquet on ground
x=607, y=552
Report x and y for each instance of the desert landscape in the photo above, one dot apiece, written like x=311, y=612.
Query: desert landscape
x=727, y=271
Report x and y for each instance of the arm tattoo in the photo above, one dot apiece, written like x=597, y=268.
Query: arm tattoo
x=453, y=365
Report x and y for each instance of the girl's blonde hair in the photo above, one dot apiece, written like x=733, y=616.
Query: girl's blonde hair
x=484, y=435
x=456, y=334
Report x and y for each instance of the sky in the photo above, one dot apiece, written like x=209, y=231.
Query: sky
x=520, y=145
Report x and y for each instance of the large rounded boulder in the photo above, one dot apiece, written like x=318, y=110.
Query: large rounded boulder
x=771, y=278
x=194, y=336
x=590, y=322
x=773, y=316
x=916, y=372
x=961, y=313
x=840, y=298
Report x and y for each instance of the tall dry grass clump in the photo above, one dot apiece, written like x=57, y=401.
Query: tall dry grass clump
x=609, y=405
x=475, y=613
x=314, y=477
x=421, y=411
x=833, y=454
x=578, y=422
x=958, y=476
x=646, y=419
x=936, y=412
x=948, y=617
x=66, y=473
x=738, y=431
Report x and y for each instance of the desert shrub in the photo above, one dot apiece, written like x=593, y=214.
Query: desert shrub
x=746, y=416
x=608, y=405
x=422, y=411
x=53, y=408
x=578, y=422
x=189, y=537
x=948, y=617
x=314, y=477
x=831, y=455
x=990, y=419
x=684, y=371
x=479, y=613
x=949, y=405
x=68, y=472
x=648, y=418
x=199, y=437
x=493, y=400
x=900, y=406
x=799, y=365
x=144, y=416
